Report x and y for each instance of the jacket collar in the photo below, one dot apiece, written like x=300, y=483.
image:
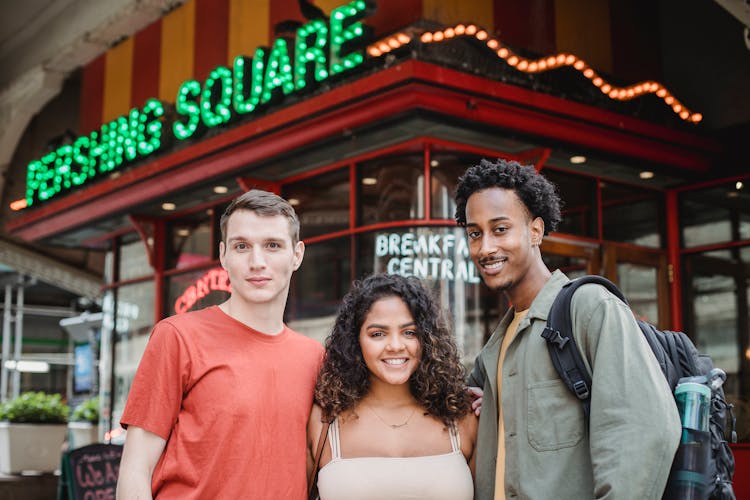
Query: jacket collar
x=539, y=309
x=543, y=301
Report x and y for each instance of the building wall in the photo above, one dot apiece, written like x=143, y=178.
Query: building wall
x=202, y=34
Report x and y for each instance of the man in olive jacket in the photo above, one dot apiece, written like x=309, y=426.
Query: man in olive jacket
x=549, y=452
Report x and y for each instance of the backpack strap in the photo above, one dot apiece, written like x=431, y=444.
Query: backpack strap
x=563, y=350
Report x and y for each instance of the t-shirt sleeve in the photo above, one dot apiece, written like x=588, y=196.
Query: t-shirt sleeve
x=155, y=395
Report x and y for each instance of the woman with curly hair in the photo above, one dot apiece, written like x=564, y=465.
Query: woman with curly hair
x=392, y=386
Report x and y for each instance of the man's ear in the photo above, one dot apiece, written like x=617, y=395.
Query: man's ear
x=536, y=231
x=299, y=254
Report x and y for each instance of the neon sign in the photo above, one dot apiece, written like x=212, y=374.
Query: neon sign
x=437, y=256
x=320, y=51
x=213, y=280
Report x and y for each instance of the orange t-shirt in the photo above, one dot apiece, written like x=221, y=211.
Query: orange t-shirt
x=232, y=404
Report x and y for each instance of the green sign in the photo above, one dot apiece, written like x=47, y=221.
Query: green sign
x=319, y=52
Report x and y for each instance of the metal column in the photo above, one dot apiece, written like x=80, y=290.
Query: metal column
x=16, y=382
x=6, y=342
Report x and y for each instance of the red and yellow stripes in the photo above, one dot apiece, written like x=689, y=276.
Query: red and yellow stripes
x=118, y=74
x=146, y=65
x=249, y=27
x=177, y=50
x=199, y=35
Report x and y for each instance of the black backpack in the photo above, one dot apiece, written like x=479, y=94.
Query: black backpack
x=677, y=357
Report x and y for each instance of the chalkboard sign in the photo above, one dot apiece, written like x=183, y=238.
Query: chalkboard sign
x=90, y=473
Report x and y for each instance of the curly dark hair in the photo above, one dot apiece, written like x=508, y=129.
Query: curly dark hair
x=438, y=382
x=535, y=191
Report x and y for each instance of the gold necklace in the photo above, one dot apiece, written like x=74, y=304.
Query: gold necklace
x=392, y=426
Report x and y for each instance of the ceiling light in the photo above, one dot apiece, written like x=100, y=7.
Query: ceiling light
x=369, y=181
x=434, y=163
x=168, y=206
x=577, y=159
x=183, y=232
x=733, y=194
x=646, y=174
x=739, y=185
x=293, y=201
x=221, y=189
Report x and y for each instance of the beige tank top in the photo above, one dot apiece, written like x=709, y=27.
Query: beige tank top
x=433, y=477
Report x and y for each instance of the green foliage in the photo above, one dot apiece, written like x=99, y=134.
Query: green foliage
x=35, y=408
x=88, y=411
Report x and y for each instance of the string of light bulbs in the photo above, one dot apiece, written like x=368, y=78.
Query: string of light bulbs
x=540, y=65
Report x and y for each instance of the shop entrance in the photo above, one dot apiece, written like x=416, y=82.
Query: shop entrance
x=643, y=277
x=573, y=257
x=640, y=273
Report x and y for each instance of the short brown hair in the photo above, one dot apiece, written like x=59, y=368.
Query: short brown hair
x=265, y=204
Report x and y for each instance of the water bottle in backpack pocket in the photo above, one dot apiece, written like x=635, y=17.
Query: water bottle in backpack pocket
x=704, y=462
x=688, y=479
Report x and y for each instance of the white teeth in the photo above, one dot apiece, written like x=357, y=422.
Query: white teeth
x=395, y=361
x=493, y=265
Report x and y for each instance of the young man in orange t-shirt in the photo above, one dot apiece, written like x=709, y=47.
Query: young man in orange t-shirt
x=219, y=405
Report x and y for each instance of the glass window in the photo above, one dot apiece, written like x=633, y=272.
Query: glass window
x=133, y=321
x=190, y=240
x=717, y=315
x=639, y=285
x=714, y=303
x=196, y=290
x=578, y=194
x=321, y=203
x=714, y=215
x=133, y=261
x=318, y=286
x=440, y=257
x=391, y=189
x=573, y=267
x=445, y=169
x=632, y=214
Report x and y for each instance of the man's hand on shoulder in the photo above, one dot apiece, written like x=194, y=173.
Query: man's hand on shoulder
x=477, y=394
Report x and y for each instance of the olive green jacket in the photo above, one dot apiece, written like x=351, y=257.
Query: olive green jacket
x=634, y=427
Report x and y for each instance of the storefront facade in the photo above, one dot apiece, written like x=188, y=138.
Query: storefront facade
x=369, y=153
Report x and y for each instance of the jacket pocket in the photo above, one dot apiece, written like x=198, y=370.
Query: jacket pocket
x=555, y=416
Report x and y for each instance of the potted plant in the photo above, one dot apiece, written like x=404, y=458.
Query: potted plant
x=83, y=426
x=32, y=431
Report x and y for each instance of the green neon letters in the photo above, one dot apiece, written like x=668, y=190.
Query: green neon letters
x=319, y=51
x=345, y=31
x=122, y=140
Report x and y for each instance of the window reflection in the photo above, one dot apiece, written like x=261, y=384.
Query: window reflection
x=714, y=215
x=391, y=189
x=132, y=315
x=632, y=215
x=573, y=267
x=190, y=240
x=133, y=261
x=579, y=210
x=317, y=287
x=639, y=284
x=321, y=203
x=445, y=170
